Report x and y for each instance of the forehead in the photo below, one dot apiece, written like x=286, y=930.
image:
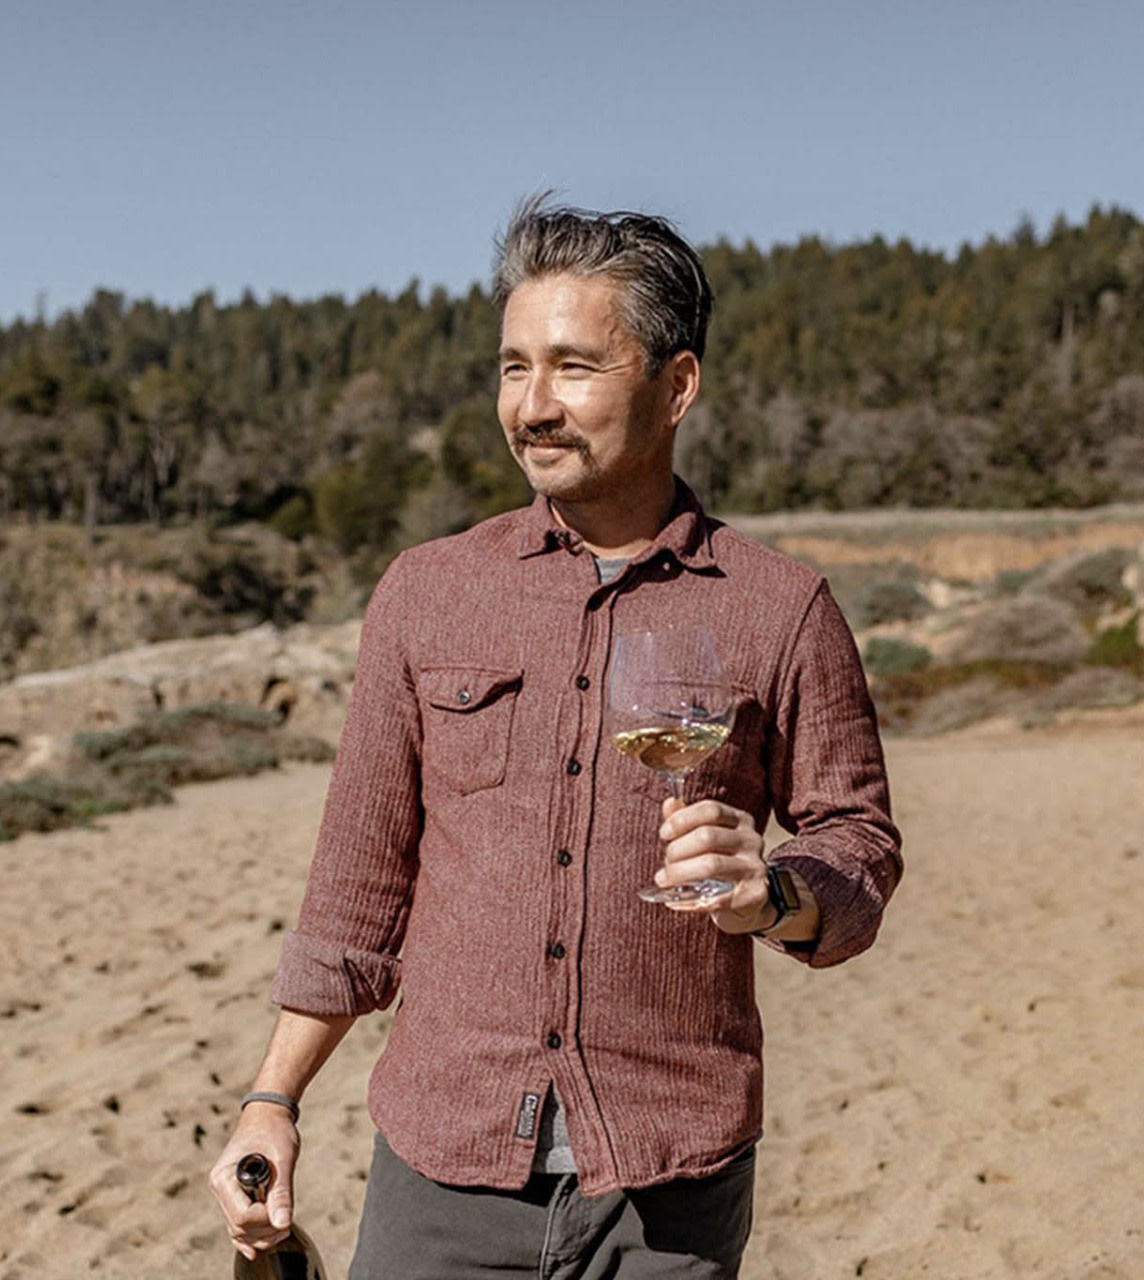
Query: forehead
x=565, y=310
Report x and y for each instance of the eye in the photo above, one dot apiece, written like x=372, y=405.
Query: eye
x=574, y=366
x=512, y=370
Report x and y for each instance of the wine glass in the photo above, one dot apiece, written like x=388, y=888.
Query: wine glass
x=669, y=708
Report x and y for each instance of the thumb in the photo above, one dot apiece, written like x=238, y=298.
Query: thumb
x=280, y=1202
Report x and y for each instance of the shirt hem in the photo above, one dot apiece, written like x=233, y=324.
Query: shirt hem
x=482, y=1176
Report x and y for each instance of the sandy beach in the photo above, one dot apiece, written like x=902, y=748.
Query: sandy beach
x=962, y=1102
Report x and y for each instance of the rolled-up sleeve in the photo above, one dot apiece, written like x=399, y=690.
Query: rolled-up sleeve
x=343, y=956
x=827, y=779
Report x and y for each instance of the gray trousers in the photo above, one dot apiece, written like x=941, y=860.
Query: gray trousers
x=415, y=1229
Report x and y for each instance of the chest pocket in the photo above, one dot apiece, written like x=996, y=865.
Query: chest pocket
x=466, y=716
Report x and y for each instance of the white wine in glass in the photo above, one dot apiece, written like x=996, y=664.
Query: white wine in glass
x=669, y=708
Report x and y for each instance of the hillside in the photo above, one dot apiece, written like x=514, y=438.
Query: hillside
x=1027, y=619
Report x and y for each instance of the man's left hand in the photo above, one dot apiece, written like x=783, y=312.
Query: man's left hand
x=712, y=840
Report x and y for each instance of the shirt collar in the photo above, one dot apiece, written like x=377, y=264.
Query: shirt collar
x=686, y=536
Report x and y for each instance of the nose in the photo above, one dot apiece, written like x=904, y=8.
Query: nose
x=538, y=405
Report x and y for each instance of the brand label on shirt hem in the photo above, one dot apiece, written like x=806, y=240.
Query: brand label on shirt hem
x=526, y=1116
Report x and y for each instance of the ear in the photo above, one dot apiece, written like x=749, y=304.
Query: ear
x=682, y=376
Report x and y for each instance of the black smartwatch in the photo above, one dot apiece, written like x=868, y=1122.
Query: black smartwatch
x=782, y=892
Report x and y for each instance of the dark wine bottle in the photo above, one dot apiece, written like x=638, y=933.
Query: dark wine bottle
x=294, y=1258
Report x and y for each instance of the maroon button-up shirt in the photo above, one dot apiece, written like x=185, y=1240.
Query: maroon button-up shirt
x=478, y=815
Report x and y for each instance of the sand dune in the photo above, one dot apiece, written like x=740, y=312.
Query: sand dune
x=962, y=1102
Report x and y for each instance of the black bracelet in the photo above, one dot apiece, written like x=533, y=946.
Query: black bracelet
x=279, y=1099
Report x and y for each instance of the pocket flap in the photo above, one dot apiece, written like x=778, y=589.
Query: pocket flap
x=464, y=688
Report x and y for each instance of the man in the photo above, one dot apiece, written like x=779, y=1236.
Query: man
x=572, y=1082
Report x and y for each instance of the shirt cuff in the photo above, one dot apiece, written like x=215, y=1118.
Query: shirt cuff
x=849, y=908
x=318, y=976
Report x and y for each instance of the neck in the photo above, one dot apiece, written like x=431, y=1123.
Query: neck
x=615, y=529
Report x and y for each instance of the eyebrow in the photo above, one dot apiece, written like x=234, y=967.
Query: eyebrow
x=559, y=351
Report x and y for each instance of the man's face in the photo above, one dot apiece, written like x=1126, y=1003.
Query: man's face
x=581, y=416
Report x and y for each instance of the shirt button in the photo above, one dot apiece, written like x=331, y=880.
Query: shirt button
x=582, y=683
x=554, y=1041
x=564, y=858
x=464, y=697
x=574, y=766
x=556, y=951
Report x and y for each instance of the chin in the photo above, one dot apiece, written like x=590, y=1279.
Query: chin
x=564, y=489
x=566, y=484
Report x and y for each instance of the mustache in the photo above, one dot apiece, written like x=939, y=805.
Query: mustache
x=522, y=436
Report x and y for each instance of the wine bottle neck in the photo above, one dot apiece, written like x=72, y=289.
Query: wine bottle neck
x=253, y=1175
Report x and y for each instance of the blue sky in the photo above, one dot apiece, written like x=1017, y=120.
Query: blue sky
x=165, y=149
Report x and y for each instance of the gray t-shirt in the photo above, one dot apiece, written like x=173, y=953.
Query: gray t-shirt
x=553, y=1150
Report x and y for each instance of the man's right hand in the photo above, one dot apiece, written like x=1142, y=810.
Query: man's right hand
x=268, y=1129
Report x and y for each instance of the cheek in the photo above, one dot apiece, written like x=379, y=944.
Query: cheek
x=595, y=415
x=506, y=406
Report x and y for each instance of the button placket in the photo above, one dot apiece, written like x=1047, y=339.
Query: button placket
x=562, y=987
x=592, y=666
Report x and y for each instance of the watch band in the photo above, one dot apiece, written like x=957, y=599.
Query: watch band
x=782, y=892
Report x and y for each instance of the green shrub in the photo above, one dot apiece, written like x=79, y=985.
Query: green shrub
x=1010, y=581
x=885, y=656
x=1031, y=629
x=46, y=804
x=167, y=728
x=248, y=573
x=140, y=764
x=294, y=519
x=226, y=714
x=889, y=600
x=944, y=696
x=306, y=750
x=102, y=744
x=1089, y=582
x=1093, y=687
x=159, y=765
x=969, y=703
x=1118, y=647
x=249, y=757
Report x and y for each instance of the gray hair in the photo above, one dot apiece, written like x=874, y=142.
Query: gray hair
x=666, y=298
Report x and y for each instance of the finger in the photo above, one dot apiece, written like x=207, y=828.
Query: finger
x=252, y=1219
x=708, y=839
x=241, y=1240
x=701, y=813
x=671, y=805
x=268, y=1242
x=705, y=905
x=260, y=1236
x=708, y=866
x=742, y=902
x=280, y=1203
x=744, y=874
x=233, y=1201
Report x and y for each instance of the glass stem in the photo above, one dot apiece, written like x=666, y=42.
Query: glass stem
x=675, y=783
